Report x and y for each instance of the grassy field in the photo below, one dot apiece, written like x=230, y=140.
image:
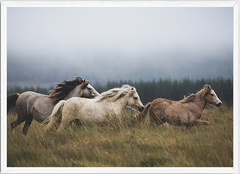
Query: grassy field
x=126, y=144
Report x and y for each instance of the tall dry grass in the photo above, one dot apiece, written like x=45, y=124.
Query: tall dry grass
x=124, y=143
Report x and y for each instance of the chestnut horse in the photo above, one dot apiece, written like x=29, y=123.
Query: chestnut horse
x=184, y=112
x=30, y=105
x=108, y=105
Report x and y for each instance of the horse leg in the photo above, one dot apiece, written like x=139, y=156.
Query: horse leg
x=155, y=120
x=19, y=120
x=188, y=126
x=65, y=122
x=27, y=124
x=200, y=122
x=76, y=121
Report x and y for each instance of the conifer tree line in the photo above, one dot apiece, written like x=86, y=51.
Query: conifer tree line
x=150, y=90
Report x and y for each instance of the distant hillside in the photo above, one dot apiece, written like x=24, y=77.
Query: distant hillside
x=47, y=71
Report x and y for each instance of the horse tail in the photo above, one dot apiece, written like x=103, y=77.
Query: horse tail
x=55, y=119
x=11, y=101
x=142, y=115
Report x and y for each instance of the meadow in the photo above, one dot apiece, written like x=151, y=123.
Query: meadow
x=126, y=143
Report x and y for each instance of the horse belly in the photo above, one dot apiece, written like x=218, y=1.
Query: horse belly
x=86, y=112
x=91, y=115
x=39, y=115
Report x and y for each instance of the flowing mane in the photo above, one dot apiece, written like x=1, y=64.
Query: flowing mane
x=116, y=93
x=62, y=89
x=206, y=89
x=188, y=99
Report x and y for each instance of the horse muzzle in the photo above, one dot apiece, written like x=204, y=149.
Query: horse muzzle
x=219, y=104
x=140, y=109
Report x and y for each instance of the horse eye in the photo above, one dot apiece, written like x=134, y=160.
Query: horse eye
x=89, y=89
x=212, y=95
x=135, y=98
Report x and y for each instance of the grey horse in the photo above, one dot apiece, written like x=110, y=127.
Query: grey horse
x=30, y=105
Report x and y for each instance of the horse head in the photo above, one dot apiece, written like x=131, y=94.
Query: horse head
x=134, y=99
x=87, y=90
x=210, y=96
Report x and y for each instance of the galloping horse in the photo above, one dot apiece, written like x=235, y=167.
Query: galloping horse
x=184, y=112
x=30, y=105
x=104, y=107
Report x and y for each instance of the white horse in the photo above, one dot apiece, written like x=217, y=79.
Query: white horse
x=98, y=110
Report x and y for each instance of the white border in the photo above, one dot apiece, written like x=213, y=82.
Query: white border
x=3, y=87
x=236, y=94
x=119, y=3
x=5, y=4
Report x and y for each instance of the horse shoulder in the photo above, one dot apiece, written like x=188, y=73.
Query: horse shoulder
x=190, y=112
x=195, y=112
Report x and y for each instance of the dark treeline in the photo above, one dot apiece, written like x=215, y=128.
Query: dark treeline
x=18, y=89
x=149, y=90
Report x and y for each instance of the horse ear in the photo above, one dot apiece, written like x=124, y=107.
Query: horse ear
x=79, y=79
x=85, y=83
x=205, y=86
x=207, y=89
x=133, y=90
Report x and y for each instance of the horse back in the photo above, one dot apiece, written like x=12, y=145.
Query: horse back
x=27, y=98
x=161, y=103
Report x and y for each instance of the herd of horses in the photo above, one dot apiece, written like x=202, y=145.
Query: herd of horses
x=78, y=100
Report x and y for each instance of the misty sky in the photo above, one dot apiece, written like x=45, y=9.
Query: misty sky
x=110, y=43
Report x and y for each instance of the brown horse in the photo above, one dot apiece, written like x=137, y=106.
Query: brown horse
x=30, y=105
x=184, y=112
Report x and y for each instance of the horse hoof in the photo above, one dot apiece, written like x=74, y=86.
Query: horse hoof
x=207, y=123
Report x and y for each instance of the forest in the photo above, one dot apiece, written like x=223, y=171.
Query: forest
x=162, y=88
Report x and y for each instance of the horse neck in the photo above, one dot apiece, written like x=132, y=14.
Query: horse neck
x=200, y=100
x=119, y=104
x=76, y=92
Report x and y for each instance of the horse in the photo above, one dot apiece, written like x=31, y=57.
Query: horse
x=185, y=112
x=108, y=105
x=31, y=105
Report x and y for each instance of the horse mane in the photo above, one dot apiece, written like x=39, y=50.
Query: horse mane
x=116, y=93
x=188, y=99
x=206, y=89
x=62, y=89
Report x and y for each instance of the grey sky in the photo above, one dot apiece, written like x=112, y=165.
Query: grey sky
x=159, y=37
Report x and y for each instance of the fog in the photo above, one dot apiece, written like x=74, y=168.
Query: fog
x=46, y=45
